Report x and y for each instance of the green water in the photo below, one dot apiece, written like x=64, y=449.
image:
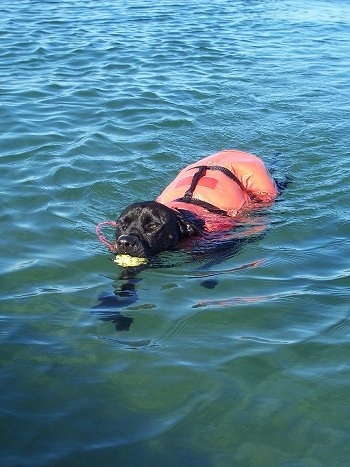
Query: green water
x=101, y=104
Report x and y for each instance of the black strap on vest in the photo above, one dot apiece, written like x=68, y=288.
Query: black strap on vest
x=229, y=174
x=187, y=197
x=202, y=169
x=203, y=204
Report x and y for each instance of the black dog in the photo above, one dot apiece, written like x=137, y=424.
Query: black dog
x=205, y=197
x=144, y=229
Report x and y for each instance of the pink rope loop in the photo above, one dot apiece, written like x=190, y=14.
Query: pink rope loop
x=102, y=238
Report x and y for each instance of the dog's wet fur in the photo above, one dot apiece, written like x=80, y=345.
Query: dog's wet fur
x=147, y=228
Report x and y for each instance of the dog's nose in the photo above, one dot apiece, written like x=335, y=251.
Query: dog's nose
x=125, y=243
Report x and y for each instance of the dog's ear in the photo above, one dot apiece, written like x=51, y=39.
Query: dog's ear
x=187, y=228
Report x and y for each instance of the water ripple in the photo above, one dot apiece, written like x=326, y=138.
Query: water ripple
x=241, y=358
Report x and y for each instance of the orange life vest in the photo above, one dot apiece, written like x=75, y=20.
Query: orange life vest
x=229, y=181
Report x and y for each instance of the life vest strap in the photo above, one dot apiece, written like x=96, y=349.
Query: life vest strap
x=229, y=174
x=202, y=169
x=187, y=197
x=203, y=204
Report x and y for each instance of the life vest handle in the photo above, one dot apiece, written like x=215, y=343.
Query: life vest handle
x=102, y=238
x=229, y=174
x=195, y=179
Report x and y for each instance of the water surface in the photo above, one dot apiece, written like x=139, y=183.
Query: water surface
x=240, y=362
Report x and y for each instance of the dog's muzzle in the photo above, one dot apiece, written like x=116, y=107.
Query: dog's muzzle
x=126, y=244
x=132, y=245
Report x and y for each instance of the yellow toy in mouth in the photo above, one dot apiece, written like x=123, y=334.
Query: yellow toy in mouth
x=129, y=261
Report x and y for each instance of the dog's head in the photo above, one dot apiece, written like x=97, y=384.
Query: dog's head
x=144, y=229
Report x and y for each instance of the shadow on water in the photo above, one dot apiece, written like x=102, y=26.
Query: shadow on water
x=124, y=295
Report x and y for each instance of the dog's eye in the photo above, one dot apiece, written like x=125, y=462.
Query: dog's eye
x=152, y=227
x=124, y=222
